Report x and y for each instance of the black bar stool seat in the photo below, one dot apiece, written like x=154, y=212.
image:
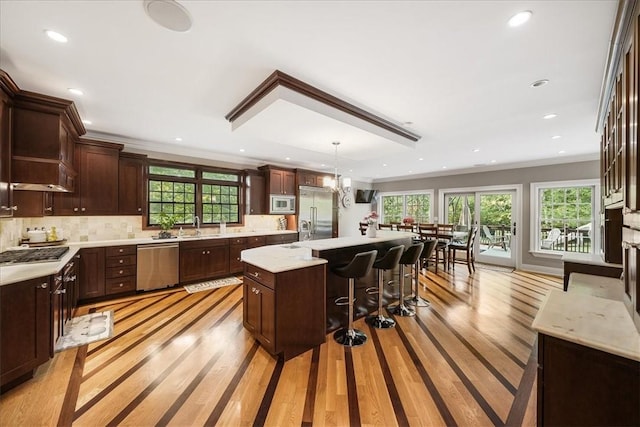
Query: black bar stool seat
x=409, y=257
x=359, y=267
x=388, y=262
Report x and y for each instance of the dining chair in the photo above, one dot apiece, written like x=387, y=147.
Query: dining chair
x=464, y=246
x=362, y=226
x=430, y=232
x=405, y=227
x=385, y=227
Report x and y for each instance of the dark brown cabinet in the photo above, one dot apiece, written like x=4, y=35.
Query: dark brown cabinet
x=25, y=329
x=285, y=311
x=203, y=259
x=91, y=269
x=255, y=194
x=237, y=245
x=279, y=239
x=581, y=386
x=33, y=203
x=281, y=181
x=6, y=205
x=132, y=184
x=310, y=178
x=97, y=186
x=121, y=269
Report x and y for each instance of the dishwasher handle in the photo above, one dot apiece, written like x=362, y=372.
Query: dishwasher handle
x=158, y=246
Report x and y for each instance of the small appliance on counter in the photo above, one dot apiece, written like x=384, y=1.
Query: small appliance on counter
x=42, y=237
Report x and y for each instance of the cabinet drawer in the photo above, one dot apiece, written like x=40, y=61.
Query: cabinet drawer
x=260, y=275
x=121, y=250
x=127, y=270
x=116, y=261
x=255, y=241
x=123, y=284
x=238, y=241
x=204, y=243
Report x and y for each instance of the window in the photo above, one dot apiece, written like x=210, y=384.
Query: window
x=187, y=191
x=397, y=206
x=565, y=216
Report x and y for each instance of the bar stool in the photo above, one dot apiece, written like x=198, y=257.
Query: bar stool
x=388, y=262
x=427, y=251
x=359, y=267
x=409, y=257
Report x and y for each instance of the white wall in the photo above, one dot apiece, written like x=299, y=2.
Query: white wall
x=348, y=218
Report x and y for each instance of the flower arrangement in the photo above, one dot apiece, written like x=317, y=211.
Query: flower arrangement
x=407, y=220
x=371, y=217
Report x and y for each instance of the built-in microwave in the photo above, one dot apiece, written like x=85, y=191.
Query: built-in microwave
x=282, y=204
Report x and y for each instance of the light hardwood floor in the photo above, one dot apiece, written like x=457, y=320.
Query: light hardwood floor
x=184, y=359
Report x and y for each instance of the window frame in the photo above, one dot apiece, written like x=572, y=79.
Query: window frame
x=535, y=207
x=198, y=181
x=404, y=194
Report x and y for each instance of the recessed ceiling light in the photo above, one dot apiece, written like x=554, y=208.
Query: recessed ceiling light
x=75, y=91
x=539, y=83
x=350, y=170
x=420, y=159
x=561, y=152
x=493, y=161
x=87, y=122
x=169, y=14
x=550, y=116
x=242, y=150
x=410, y=171
x=178, y=139
x=444, y=167
x=54, y=35
x=384, y=165
x=476, y=150
x=287, y=158
x=520, y=18
x=556, y=137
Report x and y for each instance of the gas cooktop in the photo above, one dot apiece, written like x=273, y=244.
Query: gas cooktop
x=27, y=256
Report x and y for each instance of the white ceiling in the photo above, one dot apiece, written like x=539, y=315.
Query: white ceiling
x=455, y=69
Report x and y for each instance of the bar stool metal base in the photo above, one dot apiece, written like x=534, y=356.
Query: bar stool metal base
x=380, y=322
x=417, y=301
x=350, y=337
x=401, y=310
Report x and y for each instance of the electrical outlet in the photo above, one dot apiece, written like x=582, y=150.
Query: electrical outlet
x=130, y=229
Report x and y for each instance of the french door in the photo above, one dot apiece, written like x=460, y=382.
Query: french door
x=493, y=212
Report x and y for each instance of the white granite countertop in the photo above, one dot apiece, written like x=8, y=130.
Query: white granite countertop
x=17, y=273
x=593, y=259
x=279, y=258
x=598, y=286
x=345, y=242
x=599, y=323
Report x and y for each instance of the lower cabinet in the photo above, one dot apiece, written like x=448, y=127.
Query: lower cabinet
x=25, y=329
x=121, y=269
x=581, y=386
x=285, y=311
x=203, y=259
x=279, y=239
x=92, y=273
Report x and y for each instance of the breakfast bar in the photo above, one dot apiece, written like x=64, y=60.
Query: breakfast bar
x=290, y=290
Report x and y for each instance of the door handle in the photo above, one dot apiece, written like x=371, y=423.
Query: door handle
x=514, y=228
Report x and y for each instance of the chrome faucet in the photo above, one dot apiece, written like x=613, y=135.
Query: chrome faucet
x=196, y=224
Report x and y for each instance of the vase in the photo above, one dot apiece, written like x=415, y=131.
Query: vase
x=371, y=230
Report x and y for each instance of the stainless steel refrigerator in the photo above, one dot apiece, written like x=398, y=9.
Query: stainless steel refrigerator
x=315, y=218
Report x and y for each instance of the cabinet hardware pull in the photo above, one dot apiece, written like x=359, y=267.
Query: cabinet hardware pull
x=75, y=209
x=43, y=285
x=120, y=250
x=203, y=252
x=120, y=284
x=121, y=261
x=256, y=274
x=49, y=209
x=59, y=291
x=83, y=209
x=139, y=209
x=120, y=272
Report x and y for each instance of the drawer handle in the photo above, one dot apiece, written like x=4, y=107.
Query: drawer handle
x=121, y=261
x=121, y=284
x=60, y=291
x=256, y=274
x=204, y=252
x=120, y=250
x=43, y=285
x=255, y=291
x=121, y=271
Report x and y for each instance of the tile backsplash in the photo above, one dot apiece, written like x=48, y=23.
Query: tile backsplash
x=98, y=228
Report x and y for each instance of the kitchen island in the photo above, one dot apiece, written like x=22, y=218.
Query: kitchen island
x=317, y=310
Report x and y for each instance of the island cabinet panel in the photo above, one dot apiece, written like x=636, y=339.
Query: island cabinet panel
x=285, y=311
x=203, y=260
x=25, y=329
x=91, y=268
x=581, y=386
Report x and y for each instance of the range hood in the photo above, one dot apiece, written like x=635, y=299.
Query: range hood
x=44, y=130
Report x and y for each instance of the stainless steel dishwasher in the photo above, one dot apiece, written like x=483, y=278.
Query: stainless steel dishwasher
x=157, y=266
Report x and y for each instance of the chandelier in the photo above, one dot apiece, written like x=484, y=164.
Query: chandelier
x=336, y=184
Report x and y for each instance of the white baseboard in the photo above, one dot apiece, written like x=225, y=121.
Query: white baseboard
x=559, y=272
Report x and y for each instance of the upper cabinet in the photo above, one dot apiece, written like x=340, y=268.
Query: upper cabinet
x=311, y=178
x=132, y=184
x=6, y=205
x=97, y=188
x=255, y=196
x=280, y=181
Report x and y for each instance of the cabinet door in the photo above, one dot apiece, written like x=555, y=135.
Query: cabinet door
x=32, y=203
x=92, y=273
x=309, y=178
x=256, y=195
x=193, y=263
x=66, y=203
x=131, y=186
x=5, y=156
x=288, y=183
x=276, y=181
x=98, y=180
x=259, y=312
x=235, y=265
x=217, y=261
x=25, y=327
